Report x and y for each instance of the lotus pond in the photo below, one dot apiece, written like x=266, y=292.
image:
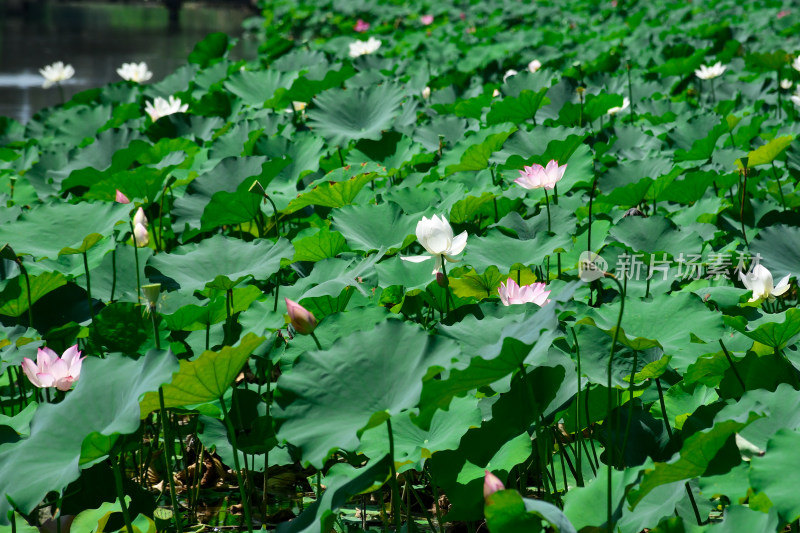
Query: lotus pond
x=452, y=266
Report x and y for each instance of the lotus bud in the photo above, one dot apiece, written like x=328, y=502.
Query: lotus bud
x=139, y=218
x=440, y=279
x=303, y=320
x=121, y=198
x=151, y=293
x=426, y=93
x=491, y=484
x=140, y=236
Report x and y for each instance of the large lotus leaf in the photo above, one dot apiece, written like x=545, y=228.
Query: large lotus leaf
x=768, y=473
x=50, y=230
x=318, y=410
x=668, y=322
x=256, y=87
x=205, y=379
x=331, y=276
x=345, y=115
x=342, y=482
x=767, y=153
x=773, y=330
x=777, y=246
x=742, y=518
x=504, y=252
x=696, y=454
x=656, y=234
x=331, y=194
x=478, y=149
x=105, y=402
x=414, y=445
x=505, y=511
x=395, y=271
x=370, y=227
x=220, y=262
x=586, y=506
x=321, y=245
x=14, y=297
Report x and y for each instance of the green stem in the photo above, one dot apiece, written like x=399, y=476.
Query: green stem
x=155, y=329
x=88, y=285
x=239, y=480
x=780, y=188
x=316, y=340
x=60, y=92
x=113, y=272
x=446, y=287
x=730, y=362
x=395, y=487
x=630, y=403
x=578, y=425
x=168, y=462
x=609, y=507
x=630, y=93
x=741, y=207
x=136, y=258
x=547, y=204
x=28, y=288
x=121, y=493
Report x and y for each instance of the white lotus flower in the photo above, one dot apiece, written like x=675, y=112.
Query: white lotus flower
x=135, y=72
x=161, y=108
x=495, y=93
x=426, y=93
x=786, y=84
x=796, y=98
x=509, y=73
x=534, y=65
x=360, y=48
x=709, y=73
x=759, y=280
x=796, y=63
x=56, y=73
x=436, y=236
x=625, y=104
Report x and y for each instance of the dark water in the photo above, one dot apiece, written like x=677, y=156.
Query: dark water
x=96, y=39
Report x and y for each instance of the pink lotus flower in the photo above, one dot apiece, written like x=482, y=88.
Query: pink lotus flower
x=491, y=484
x=51, y=370
x=121, y=198
x=511, y=293
x=303, y=321
x=783, y=13
x=537, y=176
x=426, y=20
x=361, y=26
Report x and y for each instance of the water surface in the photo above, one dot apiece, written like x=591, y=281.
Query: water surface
x=96, y=39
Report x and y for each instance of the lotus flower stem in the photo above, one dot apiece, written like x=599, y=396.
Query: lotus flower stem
x=630, y=403
x=610, y=465
x=578, y=432
x=630, y=92
x=316, y=340
x=341, y=159
x=741, y=206
x=136, y=259
x=120, y=494
x=435, y=498
x=780, y=188
x=239, y=480
x=446, y=287
x=113, y=271
x=88, y=285
x=669, y=434
x=395, y=487
x=168, y=444
x=730, y=362
x=421, y=506
x=565, y=460
x=547, y=204
x=713, y=94
x=778, y=82
x=28, y=291
x=155, y=330
x=60, y=92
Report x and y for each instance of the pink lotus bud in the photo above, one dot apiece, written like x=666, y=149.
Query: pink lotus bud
x=440, y=279
x=361, y=26
x=426, y=20
x=139, y=218
x=303, y=320
x=121, y=198
x=491, y=484
x=140, y=236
